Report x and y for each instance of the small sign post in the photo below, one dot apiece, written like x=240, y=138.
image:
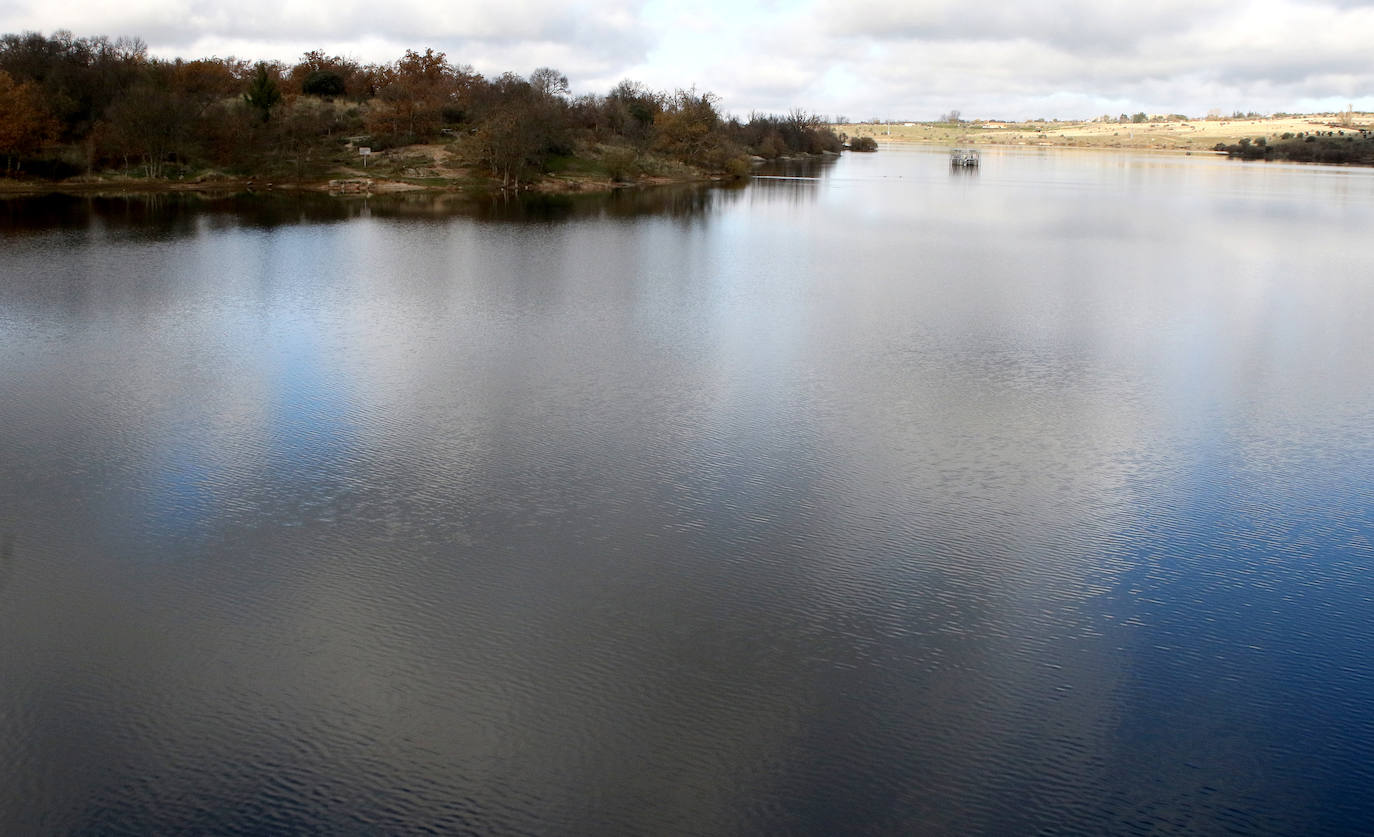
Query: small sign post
x=365, y=152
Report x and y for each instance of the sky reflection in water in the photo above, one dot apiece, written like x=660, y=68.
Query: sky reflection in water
x=890, y=501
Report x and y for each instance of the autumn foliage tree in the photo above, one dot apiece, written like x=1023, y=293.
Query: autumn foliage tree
x=413, y=94
x=79, y=78
x=26, y=124
x=687, y=128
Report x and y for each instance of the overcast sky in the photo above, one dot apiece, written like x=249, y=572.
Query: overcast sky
x=856, y=58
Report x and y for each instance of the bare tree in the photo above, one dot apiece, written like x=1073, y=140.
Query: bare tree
x=548, y=83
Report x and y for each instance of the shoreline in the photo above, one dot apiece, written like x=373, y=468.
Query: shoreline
x=355, y=184
x=351, y=184
x=1144, y=150
x=1193, y=135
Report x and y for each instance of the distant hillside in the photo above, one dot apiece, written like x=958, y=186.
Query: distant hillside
x=1174, y=133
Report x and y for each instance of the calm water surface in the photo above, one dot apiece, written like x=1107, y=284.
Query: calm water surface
x=888, y=500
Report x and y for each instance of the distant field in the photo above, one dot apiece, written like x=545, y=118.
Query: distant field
x=1192, y=135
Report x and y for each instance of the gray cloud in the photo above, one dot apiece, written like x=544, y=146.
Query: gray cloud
x=1080, y=25
x=587, y=35
x=1061, y=58
x=1076, y=59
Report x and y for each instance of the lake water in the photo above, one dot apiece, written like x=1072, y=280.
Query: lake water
x=878, y=499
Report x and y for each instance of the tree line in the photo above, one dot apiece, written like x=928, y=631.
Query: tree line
x=85, y=105
x=1339, y=146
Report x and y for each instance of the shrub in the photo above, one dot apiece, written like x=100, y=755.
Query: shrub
x=621, y=163
x=326, y=83
x=863, y=144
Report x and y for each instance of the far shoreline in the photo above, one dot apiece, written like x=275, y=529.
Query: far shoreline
x=1158, y=134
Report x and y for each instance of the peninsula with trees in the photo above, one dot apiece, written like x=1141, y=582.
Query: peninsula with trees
x=92, y=112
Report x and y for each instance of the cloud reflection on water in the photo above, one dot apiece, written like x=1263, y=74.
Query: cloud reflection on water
x=901, y=503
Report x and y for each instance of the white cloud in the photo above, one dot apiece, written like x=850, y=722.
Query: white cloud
x=855, y=57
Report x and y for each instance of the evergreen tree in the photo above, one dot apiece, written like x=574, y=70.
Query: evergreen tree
x=263, y=93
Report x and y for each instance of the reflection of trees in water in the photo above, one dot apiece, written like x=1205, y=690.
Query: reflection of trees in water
x=160, y=214
x=183, y=213
x=817, y=167
x=684, y=201
x=795, y=180
x=6, y=557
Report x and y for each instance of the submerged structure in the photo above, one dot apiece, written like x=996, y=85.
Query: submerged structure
x=963, y=158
